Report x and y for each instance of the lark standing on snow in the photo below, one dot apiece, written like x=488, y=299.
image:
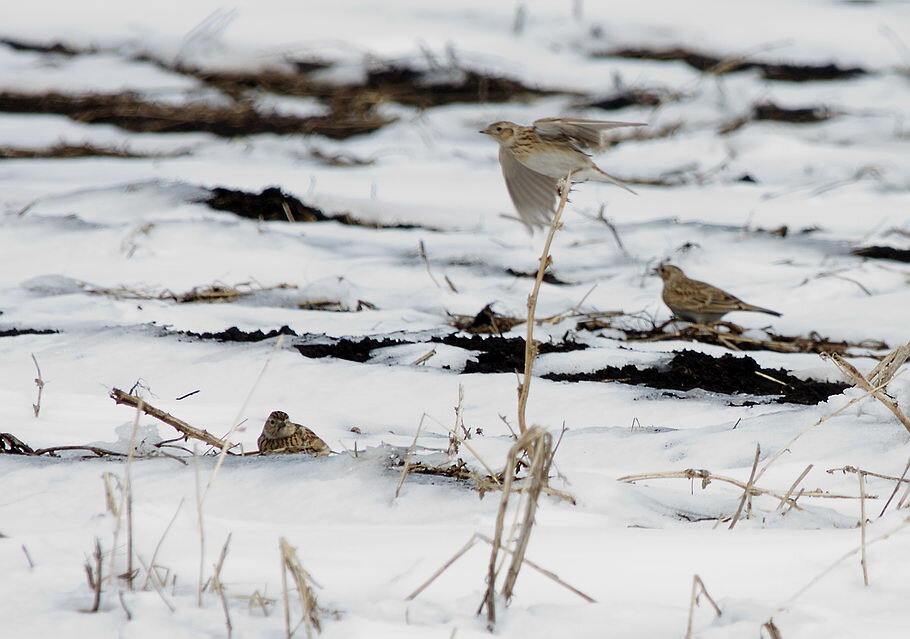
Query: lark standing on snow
x=534, y=158
x=697, y=301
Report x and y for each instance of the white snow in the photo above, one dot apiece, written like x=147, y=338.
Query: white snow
x=70, y=228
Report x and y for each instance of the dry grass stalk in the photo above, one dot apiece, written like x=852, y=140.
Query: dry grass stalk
x=904, y=524
x=423, y=358
x=904, y=498
x=862, y=526
x=693, y=601
x=896, y=488
x=454, y=436
x=28, y=557
x=111, y=484
x=128, y=496
x=707, y=477
x=310, y=609
x=219, y=586
x=786, y=498
x=530, y=345
x=121, y=397
x=200, y=522
x=879, y=378
x=821, y=420
x=479, y=537
x=167, y=529
x=94, y=576
x=422, y=252
x=733, y=340
x=39, y=382
x=407, y=457
x=537, y=444
x=210, y=293
x=773, y=632
x=126, y=610
x=157, y=583
x=747, y=490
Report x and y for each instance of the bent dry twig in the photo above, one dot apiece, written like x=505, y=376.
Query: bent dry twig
x=122, y=397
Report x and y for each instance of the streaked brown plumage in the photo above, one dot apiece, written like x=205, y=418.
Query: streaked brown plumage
x=281, y=435
x=697, y=301
x=535, y=158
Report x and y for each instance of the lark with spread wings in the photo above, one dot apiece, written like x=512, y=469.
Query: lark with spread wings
x=534, y=158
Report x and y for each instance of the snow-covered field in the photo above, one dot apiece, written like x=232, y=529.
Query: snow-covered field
x=96, y=248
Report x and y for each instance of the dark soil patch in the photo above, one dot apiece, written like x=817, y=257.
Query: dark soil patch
x=548, y=277
x=883, y=253
x=347, y=349
x=273, y=204
x=133, y=113
x=714, y=64
x=497, y=354
x=14, y=332
x=629, y=97
x=269, y=205
x=808, y=115
x=726, y=374
x=502, y=354
x=384, y=83
x=234, y=334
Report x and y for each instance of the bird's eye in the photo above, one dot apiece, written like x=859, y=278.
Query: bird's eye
x=499, y=129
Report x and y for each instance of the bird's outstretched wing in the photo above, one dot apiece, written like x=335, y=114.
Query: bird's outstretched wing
x=532, y=193
x=587, y=134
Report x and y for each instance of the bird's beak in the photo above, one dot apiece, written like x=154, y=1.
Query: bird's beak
x=485, y=132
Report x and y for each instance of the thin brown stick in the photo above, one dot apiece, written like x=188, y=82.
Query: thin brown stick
x=444, y=567
x=200, y=522
x=904, y=524
x=128, y=495
x=28, y=557
x=94, y=576
x=786, y=498
x=126, y=610
x=100, y=452
x=693, y=601
x=481, y=537
x=547, y=573
x=862, y=526
x=537, y=478
x=747, y=491
x=39, y=382
x=896, y=488
x=422, y=252
x=407, y=457
x=219, y=586
x=121, y=397
x=820, y=421
x=530, y=345
x=423, y=358
x=167, y=529
x=156, y=582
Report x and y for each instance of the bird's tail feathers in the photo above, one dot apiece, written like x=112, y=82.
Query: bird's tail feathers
x=598, y=175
